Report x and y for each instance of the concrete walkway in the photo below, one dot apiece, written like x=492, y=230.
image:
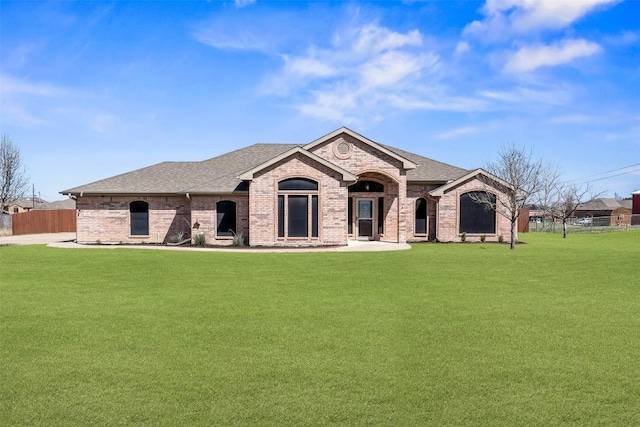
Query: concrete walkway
x=67, y=240
x=37, y=239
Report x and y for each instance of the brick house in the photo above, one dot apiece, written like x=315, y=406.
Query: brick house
x=340, y=187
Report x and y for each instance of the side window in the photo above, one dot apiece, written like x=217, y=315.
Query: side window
x=226, y=218
x=421, y=217
x=139, y=217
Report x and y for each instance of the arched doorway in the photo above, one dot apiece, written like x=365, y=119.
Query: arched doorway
x=372, y=208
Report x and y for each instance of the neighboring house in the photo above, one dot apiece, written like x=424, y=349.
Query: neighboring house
x=24, y=205
x=609, y=210
x=59, y=205
x=340, y=187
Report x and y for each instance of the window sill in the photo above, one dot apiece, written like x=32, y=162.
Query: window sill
x=297, y=238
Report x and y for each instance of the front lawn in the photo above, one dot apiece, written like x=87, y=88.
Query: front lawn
x=443, y=334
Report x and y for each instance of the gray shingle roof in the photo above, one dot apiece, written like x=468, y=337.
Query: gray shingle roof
x=601, y=204
x=429, y=169
x=220, y=174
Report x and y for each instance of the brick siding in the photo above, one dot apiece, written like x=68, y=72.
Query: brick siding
x=203, y=211
x=449, y=215
x=107, y=219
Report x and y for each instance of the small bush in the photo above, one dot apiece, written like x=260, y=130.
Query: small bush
x=483, y=238
x=98, y=242
x=501, y=239
x=176, y=238
x=238, y=239
x=463, y=237
x=200, y=240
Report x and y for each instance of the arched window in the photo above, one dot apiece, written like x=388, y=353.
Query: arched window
x=139, y=214
x=421, y=216
x=298, y=208
x=298, y=184
x=476, y=217
x=226, y=218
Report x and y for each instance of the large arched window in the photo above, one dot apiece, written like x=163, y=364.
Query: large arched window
x=226, y=218
x=297, y=208
x=421, y=216
x=139, y=214
x=476, y=217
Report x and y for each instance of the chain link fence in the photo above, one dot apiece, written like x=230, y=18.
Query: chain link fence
x=598, y=224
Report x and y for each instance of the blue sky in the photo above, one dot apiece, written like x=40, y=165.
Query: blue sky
x=92, y=89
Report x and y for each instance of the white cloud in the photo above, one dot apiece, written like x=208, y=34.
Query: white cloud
x=564, y=52
x=372, y=39
x=20, y=98
x=504, y=18
x=558, y=95
x=391, y=68
x=573, y=118
x=462, y=48
x=358, y=72
x=309, y=66
x=11, y=86
x=455, y=133
x=243, y=3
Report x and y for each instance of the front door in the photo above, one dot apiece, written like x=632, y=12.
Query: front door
x=364, y=219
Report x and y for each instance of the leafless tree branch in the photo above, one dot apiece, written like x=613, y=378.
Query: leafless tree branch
x=13, y=180
x=519, y=181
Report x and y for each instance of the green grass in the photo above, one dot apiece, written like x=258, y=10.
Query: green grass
x=443, y=334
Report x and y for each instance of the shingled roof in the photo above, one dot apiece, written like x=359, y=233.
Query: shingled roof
x=429, y=170
x=220, y=174
x=216, y=175
x=601, y=204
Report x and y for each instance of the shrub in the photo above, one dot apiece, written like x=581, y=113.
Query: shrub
x=238, y=239
x=463, y=237
x=176, y=238
x=501, y=239
x=200, y=240
x=483, y=238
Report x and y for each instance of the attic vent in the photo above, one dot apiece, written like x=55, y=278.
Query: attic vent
x=342, y=149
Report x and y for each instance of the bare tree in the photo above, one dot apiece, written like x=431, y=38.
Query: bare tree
x=560, y=200
x=13, y=180
x=547, y=196
x=569, y=198
x=519, y=180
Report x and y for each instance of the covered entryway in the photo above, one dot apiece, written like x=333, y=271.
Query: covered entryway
x=373, y=208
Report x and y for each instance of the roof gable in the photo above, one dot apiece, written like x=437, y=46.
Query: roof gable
x=346, y=175
x=406, y=163
x=439, y=192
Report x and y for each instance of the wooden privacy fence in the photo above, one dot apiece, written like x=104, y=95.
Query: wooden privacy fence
x=44, y=221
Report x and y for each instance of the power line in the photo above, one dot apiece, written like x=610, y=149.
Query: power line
x=613, y=176
x=602, y=173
